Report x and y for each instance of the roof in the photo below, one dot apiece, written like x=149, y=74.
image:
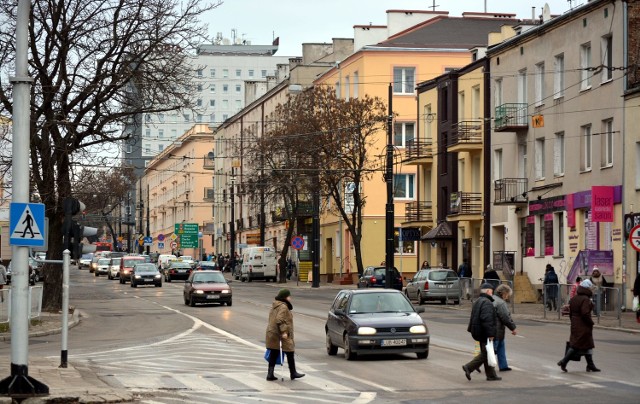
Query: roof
x=448, y=33
x=441, y=232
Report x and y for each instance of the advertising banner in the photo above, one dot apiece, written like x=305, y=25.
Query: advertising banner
x=602, y=204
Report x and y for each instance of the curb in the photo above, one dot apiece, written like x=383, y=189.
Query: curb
x=74, y=321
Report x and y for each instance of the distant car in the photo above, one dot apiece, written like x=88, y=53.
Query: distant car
x=33, y=276
x=375, y=277
x=176, y=270
x=37, y=268
x=114, y=267
x=434, y=284
x=85, y=261
x=188, y=259
x=375, y=321
x=164, y=259
x=206, y=265
x=126, y=266
x=145, y=274
x=94, y=263
x=207, y=287
x=102, y=267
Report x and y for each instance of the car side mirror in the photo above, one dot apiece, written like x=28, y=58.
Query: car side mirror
x=419, y=309
x=339, y=312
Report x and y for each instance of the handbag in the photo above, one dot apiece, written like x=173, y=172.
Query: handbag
x=267, y=354
x=492, y=360
x=576, y=355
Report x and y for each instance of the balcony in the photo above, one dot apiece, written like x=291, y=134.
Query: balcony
x=418, y=152
x=465, y=206
x=209, y=163
x=419, y=212
x=510, y=191
x=466, y=136
x=209, y=195
x=511, y=117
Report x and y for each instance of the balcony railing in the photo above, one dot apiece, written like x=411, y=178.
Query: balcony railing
x=509, y=191
x=465, y=203
x=419, y=211
x=418, y=149
x=511, y=117
x=466, y=133
x=209, y=195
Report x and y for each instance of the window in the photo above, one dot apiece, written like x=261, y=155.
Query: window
x=225, y=104
x=225, y=117
x=403, y=186
x=356, y=82
x=160, y=147
x=199, y=87
x=225, y=73
x=129, y=148
x=161, y=118
x=148, y=118
x=212, y=103
x=212, y=117
x=199, y=72
x=475, y=103
x=238, y=104
x=187, y=118
x=539, y=84
x=238, y=88
x=225, y=88
x=403, y=80
x=522, y=86
x=497, y=164
x=147, y=132
x=607, y=143
x=558, y=155
x=212, y=89
x=347, y=85
x=585, y=64
x=461, y=114
x=199, y=118
x=586, y=148
x=540, y=242
x=238, y=72
x=558, y=233
x=174, y=133
x=497, y=92
x=251, y=72
x=522, y=160
x=212, y=72
x=161, y=133
x=607, y=58
x=558, y=77
x=404, y=132
x=338, y=91
x=263, y=73
x=539, y=156
x=402, y=247
x=147, y=148
x=199, y=102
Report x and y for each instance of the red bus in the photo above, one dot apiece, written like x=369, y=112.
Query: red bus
x=103, y=246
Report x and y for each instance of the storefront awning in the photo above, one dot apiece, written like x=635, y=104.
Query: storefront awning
x=441, y=232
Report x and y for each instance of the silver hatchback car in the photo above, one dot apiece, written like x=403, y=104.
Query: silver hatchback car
x=434, y=284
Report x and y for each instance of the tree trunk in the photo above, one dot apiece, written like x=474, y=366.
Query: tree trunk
x=357, y=247
x=282, y=278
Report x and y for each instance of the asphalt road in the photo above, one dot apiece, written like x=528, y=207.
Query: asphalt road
x=146, y=340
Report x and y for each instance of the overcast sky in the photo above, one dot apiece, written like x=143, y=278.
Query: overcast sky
x=300, y=21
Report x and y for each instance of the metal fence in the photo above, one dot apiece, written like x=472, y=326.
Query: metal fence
x=35, y=303
x=606, y=301
x=471, y=289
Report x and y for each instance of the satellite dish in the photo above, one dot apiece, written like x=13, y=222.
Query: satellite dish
x=546, y=13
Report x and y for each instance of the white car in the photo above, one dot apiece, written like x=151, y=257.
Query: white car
x=114, y=268
x=188, y=259
x=85, y=261
x=103, y=267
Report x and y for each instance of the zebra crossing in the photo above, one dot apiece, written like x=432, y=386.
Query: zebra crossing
x=211, y=368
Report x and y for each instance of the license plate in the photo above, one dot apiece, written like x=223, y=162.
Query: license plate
x=213, y=297
x=182, y=271
x=394, y=342
x=445, y=286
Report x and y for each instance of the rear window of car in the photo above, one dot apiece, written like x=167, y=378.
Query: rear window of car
x=442, y=275
x=116, y=261
x=180, y=265
x=146, y=268
x=382, y=272
x=132, y=262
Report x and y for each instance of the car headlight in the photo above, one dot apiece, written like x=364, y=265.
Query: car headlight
x=226, y=291
x=199, y=292
x=126, y=271
x=137, y=276
x=158, y=276
x=366, y=330
x=418, y=329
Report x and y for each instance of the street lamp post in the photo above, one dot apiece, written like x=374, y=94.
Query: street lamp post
x=232, y=225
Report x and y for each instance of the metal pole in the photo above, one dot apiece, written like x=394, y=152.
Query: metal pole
x=389, y=218
x=128, y=211
x=148, y=215
x=232, y=225
x=19, y=383
x=315, y=247
x=140, y=221
x=65, y=307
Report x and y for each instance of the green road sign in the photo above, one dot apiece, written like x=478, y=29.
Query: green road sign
x=188, y=233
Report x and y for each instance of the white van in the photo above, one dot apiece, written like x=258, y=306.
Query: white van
x=163, y=260
x=259, y=263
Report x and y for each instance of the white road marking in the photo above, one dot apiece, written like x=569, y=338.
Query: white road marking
x=197, y=383
x=587, y=386
x=365, y=397
x=345, y=375
x=259, y=382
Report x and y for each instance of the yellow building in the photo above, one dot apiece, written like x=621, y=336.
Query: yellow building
x=438, y=44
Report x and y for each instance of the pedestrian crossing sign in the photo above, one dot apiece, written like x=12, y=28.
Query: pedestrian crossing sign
x=26, y=224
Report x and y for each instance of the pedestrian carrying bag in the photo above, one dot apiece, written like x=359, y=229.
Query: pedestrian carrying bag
x=492, y=360
x=268, y=353
x=576, y=354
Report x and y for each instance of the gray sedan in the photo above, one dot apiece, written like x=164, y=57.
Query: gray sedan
x=434, y=284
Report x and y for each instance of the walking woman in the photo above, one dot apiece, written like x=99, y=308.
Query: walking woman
x=280, y=331
x=501, y=295
x=581, y=340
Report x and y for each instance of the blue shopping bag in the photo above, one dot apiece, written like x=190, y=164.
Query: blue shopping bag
x=268, y=353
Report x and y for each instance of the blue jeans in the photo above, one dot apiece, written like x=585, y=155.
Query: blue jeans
x=501, y=352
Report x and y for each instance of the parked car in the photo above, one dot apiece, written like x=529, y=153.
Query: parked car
x=176, y=270
x=375, y=321
x=434, y=284
x=126, y=266
x=114, y=267
x=85, y=261
x=258, y=263
x=206, y=265
x=207, y=287
x=144, y=273
x=375, y=277
x=102, y=267
x=33, y=276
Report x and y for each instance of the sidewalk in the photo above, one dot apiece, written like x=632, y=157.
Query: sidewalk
x=66, y=385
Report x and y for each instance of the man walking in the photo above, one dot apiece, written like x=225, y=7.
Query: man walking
x=482, y=326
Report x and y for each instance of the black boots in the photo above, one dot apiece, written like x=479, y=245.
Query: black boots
x=270, y=376
x=591, y=367
x=292, y=367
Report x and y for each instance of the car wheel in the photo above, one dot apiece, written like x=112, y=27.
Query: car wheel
x=456, y=302
x=192, y=302
x=133, y=284
x=109, y=276
x=96, y=274
x=443, y=301
x=169, y=278
x=242, y=279
x=158, y=285
x=419, y=298
x=348, y=353
x=229, y=303
x=331, y=349
x=423, y=355
x=249, y=278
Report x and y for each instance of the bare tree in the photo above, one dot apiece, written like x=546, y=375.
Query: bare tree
x=96, y=66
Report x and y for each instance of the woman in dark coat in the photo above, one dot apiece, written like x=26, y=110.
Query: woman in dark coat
x=581, y=340
x=280, y=331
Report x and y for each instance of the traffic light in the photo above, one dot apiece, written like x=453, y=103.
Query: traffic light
x=73, y=233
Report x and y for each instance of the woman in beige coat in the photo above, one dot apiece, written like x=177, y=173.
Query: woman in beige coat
x=280, y=330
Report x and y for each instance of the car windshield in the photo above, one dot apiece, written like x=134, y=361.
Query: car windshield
x=180, y=265
x=214, y=277
x=87, y=256
x=132, y=262
x=104, y=261
x=145, y=268
x=186, y=258
x=115, y=261
x=442, y=275
x=379, y=303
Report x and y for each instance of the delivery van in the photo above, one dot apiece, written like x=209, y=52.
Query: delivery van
x=259, y=263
